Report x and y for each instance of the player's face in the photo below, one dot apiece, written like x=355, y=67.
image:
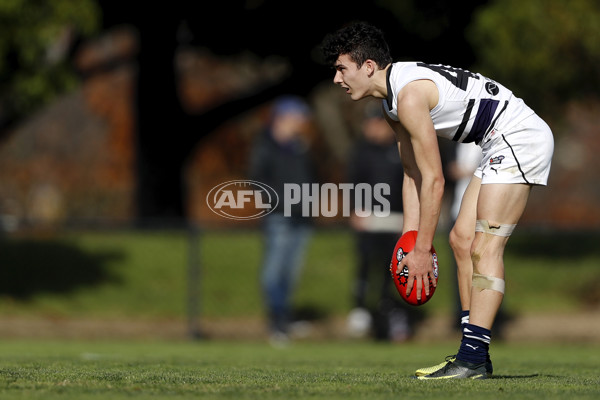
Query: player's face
x=350, y=77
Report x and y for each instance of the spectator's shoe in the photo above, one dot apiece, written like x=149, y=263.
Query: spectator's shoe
x=458, y=369
x=430, y=370
x=279, y=339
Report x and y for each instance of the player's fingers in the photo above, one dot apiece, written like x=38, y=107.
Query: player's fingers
x=409, y=286
x=426, y=284
x=419, y=287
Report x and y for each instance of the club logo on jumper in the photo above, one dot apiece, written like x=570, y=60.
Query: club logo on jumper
x=496, y=160
x=247, y=199
x=492, y=88
x=242, y=199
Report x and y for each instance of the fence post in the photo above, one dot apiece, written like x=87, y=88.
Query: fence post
x=194, y=275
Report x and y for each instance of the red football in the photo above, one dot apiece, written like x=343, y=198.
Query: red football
x=405, y=245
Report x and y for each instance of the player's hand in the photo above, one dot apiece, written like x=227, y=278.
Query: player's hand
x=420, y=270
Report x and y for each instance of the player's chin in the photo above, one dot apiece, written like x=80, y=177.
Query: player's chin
x=355, y=96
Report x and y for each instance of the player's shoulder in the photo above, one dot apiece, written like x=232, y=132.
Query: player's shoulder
x=403, y=69
x=408, y=86
x=418, y=92
x=413, y=67
x=405, y=72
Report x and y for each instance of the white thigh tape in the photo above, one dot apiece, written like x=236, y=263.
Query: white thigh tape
x=488, y=282
x=500, y=230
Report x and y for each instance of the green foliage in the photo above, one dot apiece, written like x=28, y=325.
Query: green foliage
x=547, y=51
x=428, y=21
x=35, y=37
x=229, y=370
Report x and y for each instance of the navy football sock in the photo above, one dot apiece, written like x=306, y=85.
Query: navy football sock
x=464, y=319
x=475, y=344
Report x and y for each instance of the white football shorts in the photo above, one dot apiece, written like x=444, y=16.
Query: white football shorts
x=521, y=154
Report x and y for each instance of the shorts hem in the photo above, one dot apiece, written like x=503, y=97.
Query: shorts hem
x=508, y=182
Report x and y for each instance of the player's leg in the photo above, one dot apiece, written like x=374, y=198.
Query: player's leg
x=512, y=161
x=500, y=206
x=461, y=239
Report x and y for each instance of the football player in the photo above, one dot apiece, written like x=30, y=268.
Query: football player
x=422, y=102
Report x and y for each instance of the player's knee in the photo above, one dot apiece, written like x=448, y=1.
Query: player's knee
x=486, y=253
x=480, y=248
x=490, y=240
x=476, y=254
x=460, y=241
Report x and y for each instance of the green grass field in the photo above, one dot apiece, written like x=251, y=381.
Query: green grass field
x=142, y=275
x=324, y=370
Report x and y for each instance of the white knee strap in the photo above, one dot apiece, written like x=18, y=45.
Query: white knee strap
x=505, y=230
x=488, y=282
x=484, y=281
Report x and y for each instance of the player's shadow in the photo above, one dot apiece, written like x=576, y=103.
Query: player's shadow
x=514, y=376
x=31, y=266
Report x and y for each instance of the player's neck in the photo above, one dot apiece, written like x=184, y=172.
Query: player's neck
x=379, y=83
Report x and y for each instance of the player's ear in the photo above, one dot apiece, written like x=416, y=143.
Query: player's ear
x=371, y=67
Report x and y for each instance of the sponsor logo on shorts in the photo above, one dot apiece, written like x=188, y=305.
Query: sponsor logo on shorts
x=496, y=160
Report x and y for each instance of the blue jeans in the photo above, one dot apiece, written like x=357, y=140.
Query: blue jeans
x=285, y=244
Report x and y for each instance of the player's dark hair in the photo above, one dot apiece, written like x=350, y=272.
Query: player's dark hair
x=361, y=41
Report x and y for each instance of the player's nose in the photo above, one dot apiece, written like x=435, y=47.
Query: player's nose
x=337, y=79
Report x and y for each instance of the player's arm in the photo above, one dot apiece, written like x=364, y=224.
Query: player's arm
x=414, y=105
x=415, y=101
x=411, y=179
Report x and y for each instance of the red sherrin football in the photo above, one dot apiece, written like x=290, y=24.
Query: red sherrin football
x=405, y=245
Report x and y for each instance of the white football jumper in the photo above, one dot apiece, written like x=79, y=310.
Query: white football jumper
x=517, y=145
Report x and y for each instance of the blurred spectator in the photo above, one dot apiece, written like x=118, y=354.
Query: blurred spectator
x=282, y=155
x=378, y=307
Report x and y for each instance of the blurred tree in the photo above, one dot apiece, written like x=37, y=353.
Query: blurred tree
x=432, y=31
x=265, y=28
x=36, y=40
x=167, y=133
x=547, y=51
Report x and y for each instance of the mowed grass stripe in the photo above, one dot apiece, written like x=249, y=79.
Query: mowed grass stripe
x=328, y=370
